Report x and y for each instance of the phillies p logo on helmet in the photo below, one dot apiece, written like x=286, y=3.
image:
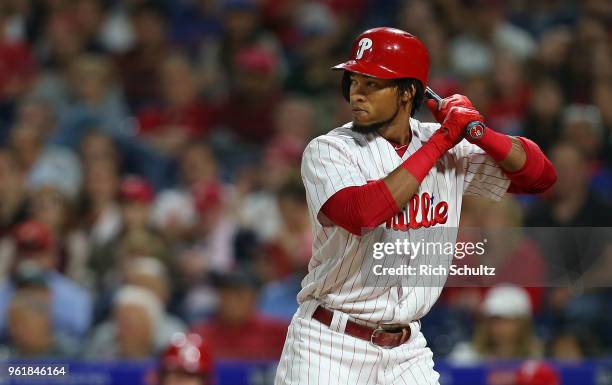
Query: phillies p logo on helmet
x=364, y=45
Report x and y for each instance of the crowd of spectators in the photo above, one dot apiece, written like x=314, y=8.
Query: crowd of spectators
x=150, y=156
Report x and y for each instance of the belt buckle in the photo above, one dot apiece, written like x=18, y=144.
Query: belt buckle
x=378, y=329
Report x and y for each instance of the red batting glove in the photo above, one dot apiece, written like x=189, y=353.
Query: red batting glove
x=457, y=120
x=440, y=111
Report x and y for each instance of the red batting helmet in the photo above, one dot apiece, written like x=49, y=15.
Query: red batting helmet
x=388, y=53
x=187, y=353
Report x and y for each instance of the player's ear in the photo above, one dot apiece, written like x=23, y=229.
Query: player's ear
x=408, y=94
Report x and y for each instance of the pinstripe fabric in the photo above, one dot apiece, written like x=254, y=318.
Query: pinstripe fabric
x=316, y=354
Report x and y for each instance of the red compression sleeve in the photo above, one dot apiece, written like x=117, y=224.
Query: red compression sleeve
x=537, y=174
x=419, y=163
x=357, y=207
x=496, y=145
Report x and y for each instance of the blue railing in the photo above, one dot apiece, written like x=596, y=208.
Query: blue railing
x=590, y=372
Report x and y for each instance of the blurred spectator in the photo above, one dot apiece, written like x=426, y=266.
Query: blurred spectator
x=53, y=186
x=174, y=216
x=116, y=33
x=507, y=246
x=583, y=127
x=18, y=67
x=140, y=64
x=510, y=96
x=186, y=361
x=554, y=49
x=542, y=122
x=566, y=347
x=71, y=305
x=256, y=189
x=89, y=16
x=29, y=320
x=289, y=251
x=294, y=125
x=198, y=165
x=287, y=256
x=215, y=234
x=136, y=195
x=151, y=274
x=242, y=28
x=472, y=52
x=249, y=110
x=571, y=202
x=505, y=330
x=101, y=210
x=96, y=146
x=416, y=17
x=136, y=238
x=589, y=61
x=236, y=312
x=195, y=23
x=12, y=194
x=136, y=329
x=180, y=116
x=63, y=43
x=312, y=54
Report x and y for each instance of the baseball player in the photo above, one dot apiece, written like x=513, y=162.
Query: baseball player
x=382, y=172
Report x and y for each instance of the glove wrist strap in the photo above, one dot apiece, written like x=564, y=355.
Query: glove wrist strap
x=495, y=144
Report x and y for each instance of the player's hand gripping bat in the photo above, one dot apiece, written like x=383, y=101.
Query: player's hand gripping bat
x=474, y=128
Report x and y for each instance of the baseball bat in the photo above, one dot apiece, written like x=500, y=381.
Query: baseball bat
x=432, y=95
x=474, y=128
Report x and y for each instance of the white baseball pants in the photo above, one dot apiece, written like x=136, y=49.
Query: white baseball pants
x=315, y=354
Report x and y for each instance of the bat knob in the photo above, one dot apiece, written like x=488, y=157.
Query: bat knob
x=475, y=129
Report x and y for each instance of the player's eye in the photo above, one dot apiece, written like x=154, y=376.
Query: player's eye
x=372, y=84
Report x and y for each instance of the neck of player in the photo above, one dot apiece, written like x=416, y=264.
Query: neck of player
x=398, y=130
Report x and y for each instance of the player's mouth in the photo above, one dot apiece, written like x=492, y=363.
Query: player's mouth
x=359, y=112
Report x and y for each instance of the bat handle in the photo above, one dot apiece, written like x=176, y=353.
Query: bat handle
x=432, y=95
x=475, y=129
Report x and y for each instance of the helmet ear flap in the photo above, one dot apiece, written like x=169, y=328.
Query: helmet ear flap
x=346, y=85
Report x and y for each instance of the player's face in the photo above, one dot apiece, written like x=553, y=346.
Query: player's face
x=373, y=101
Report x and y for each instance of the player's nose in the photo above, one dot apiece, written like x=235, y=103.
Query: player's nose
x=356, y=98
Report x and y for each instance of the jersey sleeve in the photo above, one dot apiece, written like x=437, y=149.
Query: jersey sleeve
x=482, y=175
x=327, y=167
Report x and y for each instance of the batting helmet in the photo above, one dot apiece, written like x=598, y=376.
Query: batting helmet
x=388, y=53
x=187, y=353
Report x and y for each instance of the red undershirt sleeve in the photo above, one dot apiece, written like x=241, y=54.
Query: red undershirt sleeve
x=536, y=176
x=358, y=207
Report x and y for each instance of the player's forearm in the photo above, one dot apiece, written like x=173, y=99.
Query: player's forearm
x=537, y=173
x=504, y=149
x=404, y=181
x=515, y=160
x=521, y=159
x=402, y=185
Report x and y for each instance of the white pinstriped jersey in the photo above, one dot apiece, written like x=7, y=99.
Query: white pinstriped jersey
x=344, y=158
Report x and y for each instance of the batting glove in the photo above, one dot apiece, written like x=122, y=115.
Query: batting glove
x=440, y=111
x=456, y=121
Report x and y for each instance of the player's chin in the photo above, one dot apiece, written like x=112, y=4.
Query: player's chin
x=364, y=127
